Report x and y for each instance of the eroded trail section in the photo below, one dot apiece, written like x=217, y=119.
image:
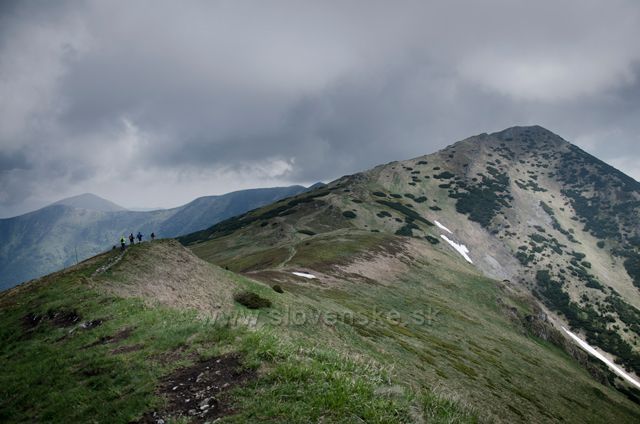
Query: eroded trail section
x=201, y=391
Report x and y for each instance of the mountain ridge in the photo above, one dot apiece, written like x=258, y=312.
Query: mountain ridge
x=60, y=234
x=511, y=197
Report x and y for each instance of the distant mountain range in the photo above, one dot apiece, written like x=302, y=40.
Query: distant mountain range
x=73, y=229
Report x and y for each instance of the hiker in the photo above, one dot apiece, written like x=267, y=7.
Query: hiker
x=131, y=239
x=122, y=243
x=139, y=237
x=153, y=236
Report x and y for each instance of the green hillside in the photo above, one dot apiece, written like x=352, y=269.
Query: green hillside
x=100, y=341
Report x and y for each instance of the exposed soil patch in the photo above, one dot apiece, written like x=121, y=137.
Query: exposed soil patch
x=126, y=349
x=63, y=318
x=119, y=336
x=88, y=325
x=31, y=321
x=57, y=317
x=381, y=265
x=200, y=391
x=111, y=262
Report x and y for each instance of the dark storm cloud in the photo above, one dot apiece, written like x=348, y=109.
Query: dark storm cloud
x=153, y=102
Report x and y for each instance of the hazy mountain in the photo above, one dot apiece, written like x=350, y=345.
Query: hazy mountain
x=76, y=228
x=90, y=201
x=434, y=289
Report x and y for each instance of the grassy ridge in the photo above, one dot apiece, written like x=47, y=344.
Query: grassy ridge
x=56, y=371
x=359, y=353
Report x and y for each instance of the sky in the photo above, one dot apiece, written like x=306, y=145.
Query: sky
x=154, y=103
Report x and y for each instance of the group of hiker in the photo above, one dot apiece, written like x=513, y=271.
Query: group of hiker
x=132, y=239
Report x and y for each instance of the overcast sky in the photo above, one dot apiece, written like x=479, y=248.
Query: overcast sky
x=154, y=103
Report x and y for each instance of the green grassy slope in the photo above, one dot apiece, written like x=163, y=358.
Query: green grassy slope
x=54, y=370
x=432, y=344
x=469, y=340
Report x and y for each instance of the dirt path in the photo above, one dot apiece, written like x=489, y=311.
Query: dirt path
x=292, y=253
x=200, y=393
x=109, y=264
x=291, y=247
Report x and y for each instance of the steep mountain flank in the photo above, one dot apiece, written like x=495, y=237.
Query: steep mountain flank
x=530, y=208
x=569, y=219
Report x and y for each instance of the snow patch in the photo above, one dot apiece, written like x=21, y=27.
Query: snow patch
x=443, y=227
x=461, y=248
x=304, y=275
x=601, y=357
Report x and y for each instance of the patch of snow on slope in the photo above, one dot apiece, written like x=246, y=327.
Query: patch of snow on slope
x=443, y=227
x=304, y=274
x=461, y=248
x=601, y=357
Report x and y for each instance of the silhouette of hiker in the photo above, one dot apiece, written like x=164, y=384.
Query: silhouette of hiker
x=131, y=239
x=122, y=243
x=139, y=237
x=153, y=236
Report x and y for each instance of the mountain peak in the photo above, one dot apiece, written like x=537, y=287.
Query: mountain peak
x=526, y=129
x=90, y=201
x=516, y=141
x=532, y=134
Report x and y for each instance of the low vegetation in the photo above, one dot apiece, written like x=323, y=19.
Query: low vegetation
x=587, y=319
x=407, y=212
x=632, y=265
x=235, y=223
x=252, y=300
x=483, y=200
